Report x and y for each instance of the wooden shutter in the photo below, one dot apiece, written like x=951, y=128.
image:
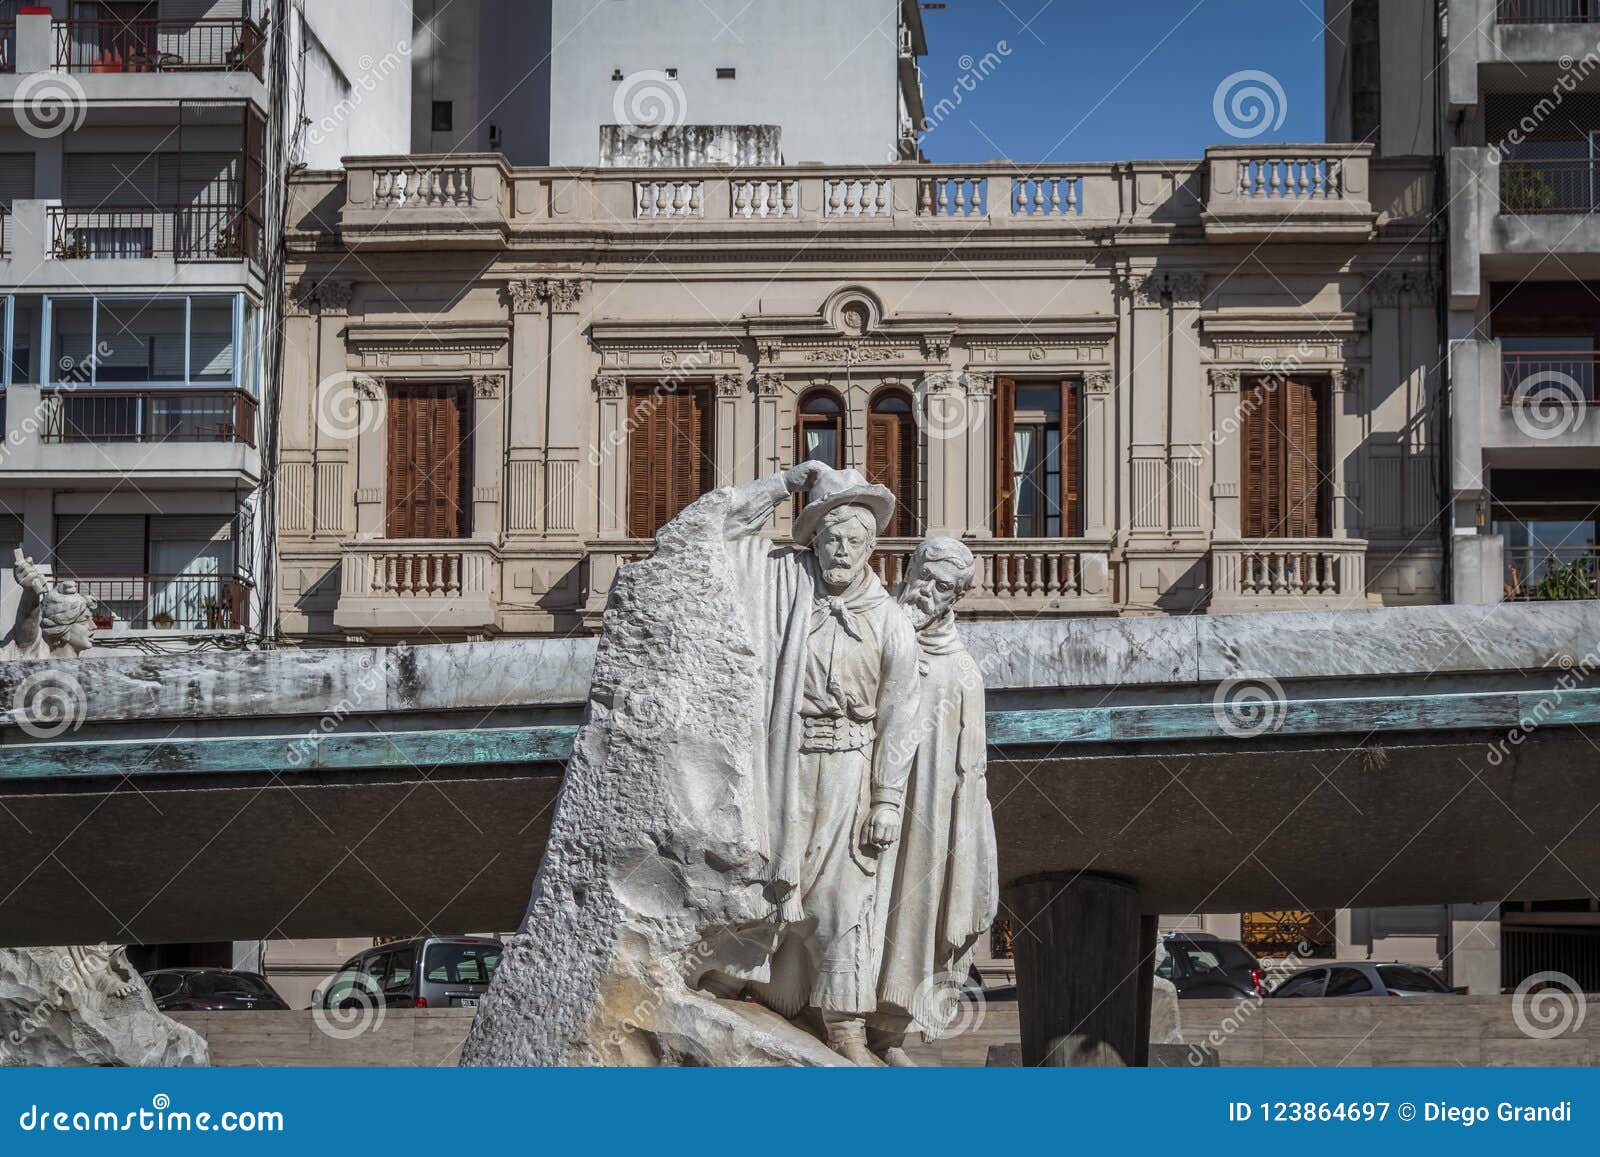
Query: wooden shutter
x=1282, y=459
x=668, y=457
x=427, y=470
x=1071, y=497
x=1005, y=411
x=1302, y=472
x=892, y=462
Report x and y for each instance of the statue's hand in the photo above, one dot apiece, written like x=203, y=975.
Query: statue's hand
x=803, y=475
x=883, y=826
x=27, y=574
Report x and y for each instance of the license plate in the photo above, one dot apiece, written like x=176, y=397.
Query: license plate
x=466, y=1002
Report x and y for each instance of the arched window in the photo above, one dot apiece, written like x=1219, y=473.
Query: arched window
x=820, y=429
x=892, y=458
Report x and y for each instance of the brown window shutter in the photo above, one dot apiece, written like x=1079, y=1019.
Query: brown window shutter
x=397, y=476
x=1302, y=460
x=1005, y=409
x=908, y=514
x=1255, y=403
x=669, y=457
x=1071, y=498
x=427, y=463
x=444, y=467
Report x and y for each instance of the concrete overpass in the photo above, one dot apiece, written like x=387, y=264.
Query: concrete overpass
x=386, y=790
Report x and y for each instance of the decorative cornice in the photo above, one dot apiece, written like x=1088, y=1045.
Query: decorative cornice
x=486, y=386
x=936, y=346
x=610, y=386
x=730, y=386
x=1224, y=381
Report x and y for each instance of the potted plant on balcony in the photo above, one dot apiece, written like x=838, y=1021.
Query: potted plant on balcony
x=1564, y=581
x=162, y=620
x=74, y=247
x=1524, y=189
x=228, y=244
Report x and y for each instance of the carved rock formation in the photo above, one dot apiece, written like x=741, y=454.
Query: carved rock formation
x=85, y=1006
x=652, y=883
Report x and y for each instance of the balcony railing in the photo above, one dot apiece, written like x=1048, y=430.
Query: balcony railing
x=1556, y=377
x=1016, y=573
x=169, y=602
x=1549, y=186
x=417, y=586
x=171, y=414
x=186, y=233
x=8, y=46
x=1549, y=12
x=159, y=46
x=1291, y=573
x=1547, y=574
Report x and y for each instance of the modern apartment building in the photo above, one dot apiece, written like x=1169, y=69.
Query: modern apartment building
x=551, y=82
x=1503, y=97
x=134, y=288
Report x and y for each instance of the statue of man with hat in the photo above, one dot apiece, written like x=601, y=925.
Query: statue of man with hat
x=841, y=660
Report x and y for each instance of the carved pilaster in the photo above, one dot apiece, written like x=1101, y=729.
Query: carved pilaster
x=1346, y=380
x=730, y=386
x=1099, y=382
x=1224, y=381
x=524, y=296
x=563, y=293
x=979, y=385
x=486, y=386
x=1153, y=289
x=610, y=386
x=767, y=385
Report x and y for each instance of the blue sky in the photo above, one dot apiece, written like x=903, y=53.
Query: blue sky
x=1110, y=80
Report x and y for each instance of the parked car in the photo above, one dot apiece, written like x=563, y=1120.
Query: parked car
x=454, y=973
x=1363, y=979
x=1203, y=966
x=211, y=990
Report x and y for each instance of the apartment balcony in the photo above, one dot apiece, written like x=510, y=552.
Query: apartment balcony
x=1510, y=45
x=418, y=588
x=1551, y=574
x=178, y=603
x=138, y=61
x=1288, y=574
x=1526, y=408
x=104, y=437
x=1301, y=193
x=48, y=245
x=1510, y=219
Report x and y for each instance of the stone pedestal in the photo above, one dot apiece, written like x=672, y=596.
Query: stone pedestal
x=1080, y=969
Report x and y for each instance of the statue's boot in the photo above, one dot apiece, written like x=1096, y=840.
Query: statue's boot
x=887, y=1038
x=847, y=1036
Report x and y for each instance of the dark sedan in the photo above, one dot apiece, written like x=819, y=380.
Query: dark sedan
x=211, y=990
x=1202, y=966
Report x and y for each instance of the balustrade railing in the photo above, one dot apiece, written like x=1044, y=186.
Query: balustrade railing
x=1551, y=573
x=1293, y=571
x=159, y=46
x=1282, y=178
x=955, y=196
x=169, y=602
x=1052, y=196
x=432, y=187
x=431, y=569
x=764, y=198
x=170, y=414
x=1015, y=571
x=1548, y=12
x=656, y=200
x=860, y=197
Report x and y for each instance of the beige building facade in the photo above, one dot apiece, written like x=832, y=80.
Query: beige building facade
x=1132, y=388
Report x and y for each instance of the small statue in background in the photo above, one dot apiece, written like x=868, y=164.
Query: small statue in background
x=54, y=621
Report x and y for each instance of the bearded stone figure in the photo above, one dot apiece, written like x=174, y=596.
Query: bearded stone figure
x=938, y=887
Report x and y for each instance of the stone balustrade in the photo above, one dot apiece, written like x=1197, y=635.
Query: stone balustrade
x=1015, y=575
x=422, y=584
x=1288, y=574
x=1292, y=191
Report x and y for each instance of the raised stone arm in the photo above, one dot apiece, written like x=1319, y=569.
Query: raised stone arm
x=30, y=608
x=754, y=502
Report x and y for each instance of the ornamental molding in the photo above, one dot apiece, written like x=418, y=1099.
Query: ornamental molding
x=1224, y=381
x=524, y=296
x=563, y=293
x=486, y=386
x=978, y=385
x=936, y=347
x=767, y=385
x=730, y=386
x=1099, y=382
x=1346, y=379
x=1153, y=289
x=369, y=388
x=610, y=386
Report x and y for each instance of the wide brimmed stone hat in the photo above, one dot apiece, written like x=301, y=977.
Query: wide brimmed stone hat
x=841, y=488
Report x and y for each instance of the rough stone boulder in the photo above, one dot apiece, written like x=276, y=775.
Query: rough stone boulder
x=652, y=887
x=85, y=1006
